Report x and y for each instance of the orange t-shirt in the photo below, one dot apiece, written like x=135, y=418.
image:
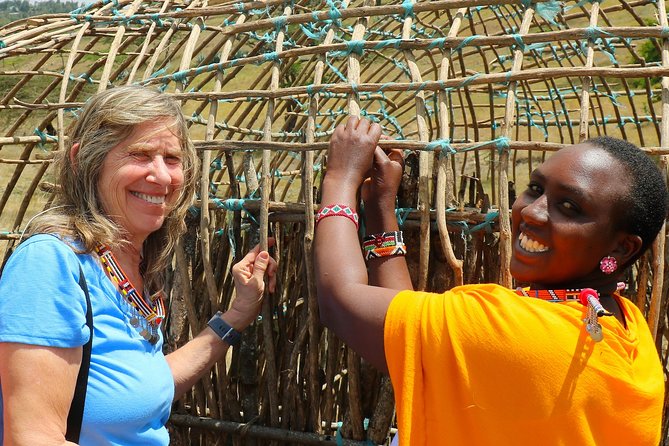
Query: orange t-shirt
x=480, y=365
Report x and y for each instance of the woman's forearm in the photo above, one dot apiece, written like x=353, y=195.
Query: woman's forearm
x=195, y=359
x=338, y=257
x=354, y=310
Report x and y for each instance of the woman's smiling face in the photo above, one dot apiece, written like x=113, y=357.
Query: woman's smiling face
x=141, y=179
x=563, y=223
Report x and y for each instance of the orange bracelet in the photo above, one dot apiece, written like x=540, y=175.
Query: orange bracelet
x=384, y=244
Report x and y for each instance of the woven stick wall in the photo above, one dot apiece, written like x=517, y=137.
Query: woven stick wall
x=478, y=92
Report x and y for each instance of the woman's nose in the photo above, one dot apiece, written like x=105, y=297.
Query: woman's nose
x=536, y=211
x=160, y=172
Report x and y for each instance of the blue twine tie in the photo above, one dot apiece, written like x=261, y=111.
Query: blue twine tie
x=279, y=22
x=502, y=144
x=487, y=223
x=355, y=46
x=408, y=9
x=442, y=144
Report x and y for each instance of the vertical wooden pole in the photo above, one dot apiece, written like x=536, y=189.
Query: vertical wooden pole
x=509, y=117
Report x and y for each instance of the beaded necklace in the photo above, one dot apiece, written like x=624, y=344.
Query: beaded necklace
x=152, y=312
x=586, y=296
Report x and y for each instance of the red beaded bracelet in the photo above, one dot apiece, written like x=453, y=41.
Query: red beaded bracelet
x=338, y=210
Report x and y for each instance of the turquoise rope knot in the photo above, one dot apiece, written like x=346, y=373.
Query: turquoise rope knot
x=279, y=22
x=549, y=10
x=334, y=13
x=502, y=144
x=2, y=45
x=665, y=32
x=180, y=76
x=487, y=223
x=86, y=77
x=273, y=57
x=44, y=137
x=594, y=32
x=444, y=145
x=216, y=164
x=407, y=5
x=231, y=204
x=402, y=214
x=155, y=18
x=355, y=46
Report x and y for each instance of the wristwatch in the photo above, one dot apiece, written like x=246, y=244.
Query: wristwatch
x=223, y=330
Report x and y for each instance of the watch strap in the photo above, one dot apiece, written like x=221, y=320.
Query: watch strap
x=224, y=330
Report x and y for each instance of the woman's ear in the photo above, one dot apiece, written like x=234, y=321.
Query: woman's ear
x=627, y=248
x=73, y=154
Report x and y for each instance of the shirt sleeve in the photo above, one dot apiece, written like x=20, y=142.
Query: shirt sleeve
x=41, y=302
x=403, y=350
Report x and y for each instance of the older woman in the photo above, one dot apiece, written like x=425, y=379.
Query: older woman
x=566, y=361
x=127, y=180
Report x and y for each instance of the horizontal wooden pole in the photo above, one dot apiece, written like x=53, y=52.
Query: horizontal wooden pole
x=261, y=432
x=229, y=145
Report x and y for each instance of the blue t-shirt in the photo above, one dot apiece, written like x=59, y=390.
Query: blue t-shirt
x=130, y=385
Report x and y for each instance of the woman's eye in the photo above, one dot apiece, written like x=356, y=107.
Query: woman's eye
x=568, y=205
x=140, y=155
x=173, y=159
x=534, y=188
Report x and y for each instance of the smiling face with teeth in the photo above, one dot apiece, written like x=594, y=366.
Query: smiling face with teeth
x=563, y=223
x=141, y=178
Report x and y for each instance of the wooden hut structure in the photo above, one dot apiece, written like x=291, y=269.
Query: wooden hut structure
x=476, y=91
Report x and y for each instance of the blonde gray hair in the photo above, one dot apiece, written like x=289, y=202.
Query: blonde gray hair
x=105, y=120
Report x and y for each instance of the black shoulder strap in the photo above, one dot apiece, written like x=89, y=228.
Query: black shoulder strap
x=76, y=414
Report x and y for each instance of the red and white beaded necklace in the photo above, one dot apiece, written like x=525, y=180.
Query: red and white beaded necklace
x=586, y=296
x=152, y=312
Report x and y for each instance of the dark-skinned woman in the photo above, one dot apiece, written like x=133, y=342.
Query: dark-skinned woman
x=564, y=361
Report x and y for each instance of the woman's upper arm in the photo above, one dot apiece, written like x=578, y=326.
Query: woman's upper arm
x=356, y=313
x=37, y=389
x=42, y=329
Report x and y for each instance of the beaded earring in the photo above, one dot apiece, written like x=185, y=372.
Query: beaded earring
x=608, y=264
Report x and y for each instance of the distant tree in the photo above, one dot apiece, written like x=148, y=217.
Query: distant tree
x=20, y=9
